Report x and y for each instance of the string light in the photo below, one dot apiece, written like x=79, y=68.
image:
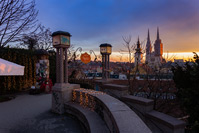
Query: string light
x=86, y=100
x=81, y=98
x=74, y=96
x=86, y=97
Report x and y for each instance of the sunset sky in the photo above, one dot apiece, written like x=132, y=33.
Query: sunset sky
x=92, y=22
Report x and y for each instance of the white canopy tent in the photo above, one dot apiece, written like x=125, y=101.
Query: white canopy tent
x=8, y=68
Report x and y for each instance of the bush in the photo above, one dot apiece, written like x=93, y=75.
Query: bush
x=187, y=82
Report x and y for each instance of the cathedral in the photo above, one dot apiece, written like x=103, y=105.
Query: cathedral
x=153, y=58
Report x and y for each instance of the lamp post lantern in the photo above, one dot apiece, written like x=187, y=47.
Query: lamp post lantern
x=105, y=50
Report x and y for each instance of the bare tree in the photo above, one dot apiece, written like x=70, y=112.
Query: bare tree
x=156, y=84
x=40, y=39
x=16, y=18
x=129, y=48
x=44, y=39
x=29, y=41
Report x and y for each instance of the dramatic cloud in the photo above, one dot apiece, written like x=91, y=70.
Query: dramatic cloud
x=92, y=22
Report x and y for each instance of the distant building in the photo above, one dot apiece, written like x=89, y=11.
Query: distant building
x=154, y=58
x=178, y=60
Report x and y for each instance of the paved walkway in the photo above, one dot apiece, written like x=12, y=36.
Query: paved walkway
x=31, y=114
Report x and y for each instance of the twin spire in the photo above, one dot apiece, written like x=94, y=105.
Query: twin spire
x=148, y=38
x=158, y=35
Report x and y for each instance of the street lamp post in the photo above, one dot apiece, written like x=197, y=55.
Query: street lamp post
x=62, y=90
x=105, y=50
x=61, y=41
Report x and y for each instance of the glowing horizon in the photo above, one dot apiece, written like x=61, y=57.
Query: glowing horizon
x=117, y=57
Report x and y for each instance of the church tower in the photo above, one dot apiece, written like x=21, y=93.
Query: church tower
x=158, y=46
x=148, y=48
x=158, y=50
x=138, y=53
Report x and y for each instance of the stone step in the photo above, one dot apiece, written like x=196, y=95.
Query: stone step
x=90, y=119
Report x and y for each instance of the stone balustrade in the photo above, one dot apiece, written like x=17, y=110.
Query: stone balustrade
x=156, y=121
x=133, y=114
x=118, y=117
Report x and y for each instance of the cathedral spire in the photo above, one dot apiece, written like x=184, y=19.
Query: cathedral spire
x=148, y=38
x=158, y=36
x=158, y=46
x=138, y=43
x=148, y=48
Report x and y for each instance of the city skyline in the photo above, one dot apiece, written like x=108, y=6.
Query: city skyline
x=92, y=23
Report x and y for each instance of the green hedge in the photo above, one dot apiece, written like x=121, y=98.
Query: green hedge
x=9, y=84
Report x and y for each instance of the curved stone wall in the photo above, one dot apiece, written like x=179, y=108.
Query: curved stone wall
x=118, y=117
